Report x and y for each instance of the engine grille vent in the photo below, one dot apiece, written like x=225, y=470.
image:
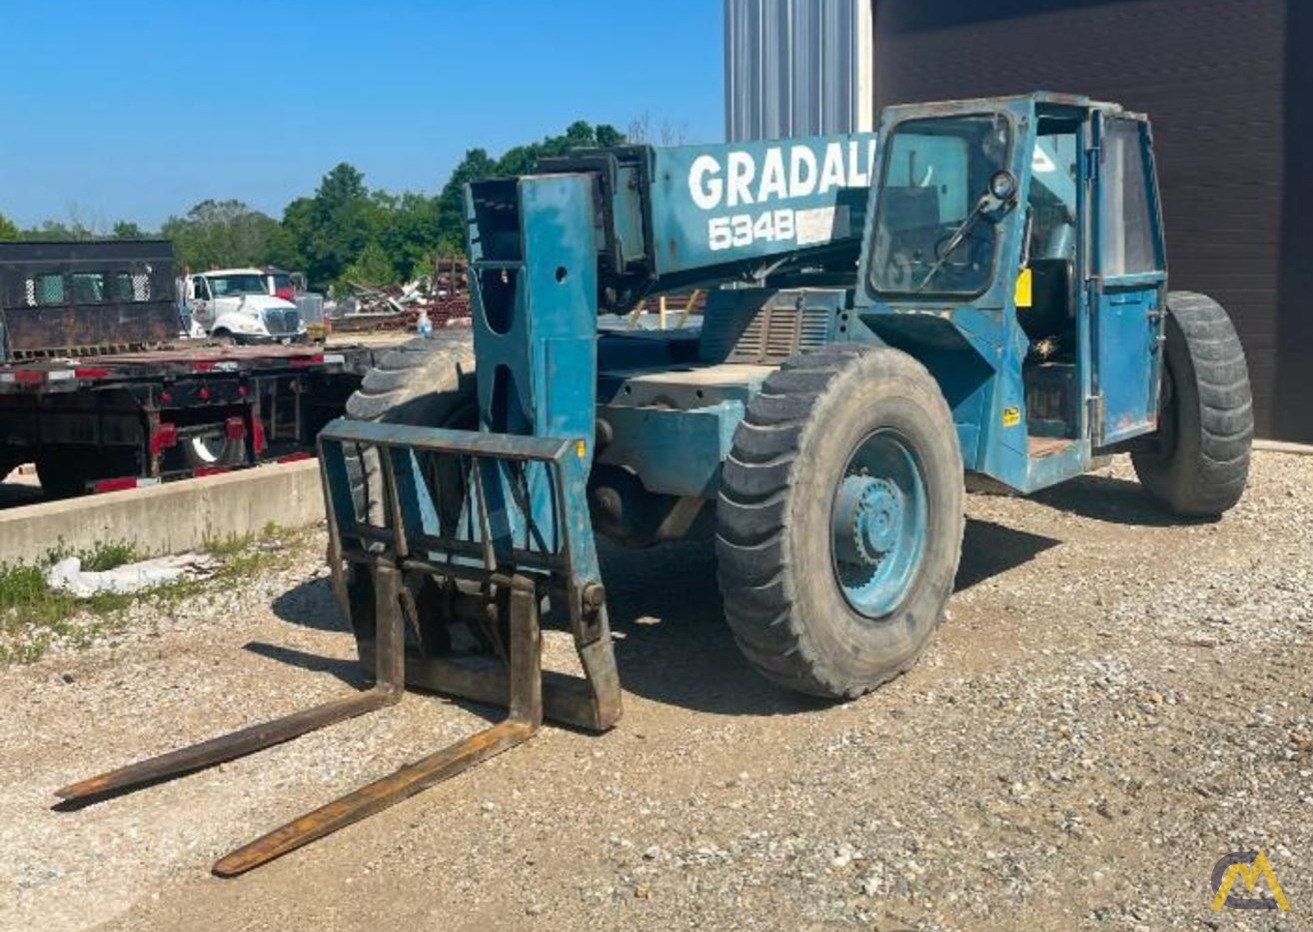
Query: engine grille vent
x=746, y=331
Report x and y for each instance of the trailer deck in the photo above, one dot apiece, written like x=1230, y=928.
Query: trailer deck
x=177, y=361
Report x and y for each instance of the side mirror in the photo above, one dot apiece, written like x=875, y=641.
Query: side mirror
x=1003, y=186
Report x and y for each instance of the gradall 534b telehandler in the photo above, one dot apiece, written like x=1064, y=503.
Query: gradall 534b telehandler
x=983, y=295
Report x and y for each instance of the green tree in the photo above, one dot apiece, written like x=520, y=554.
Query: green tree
x=56, y=231
x=406, y=227
x=218, y=234
x=126, y=229
x=291, y=250
x=373, y=268
x=330, y=230
x=9, y=229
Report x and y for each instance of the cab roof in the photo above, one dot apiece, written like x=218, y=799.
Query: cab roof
x=978, y=104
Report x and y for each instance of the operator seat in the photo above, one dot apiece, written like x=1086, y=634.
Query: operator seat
x=1052, y=314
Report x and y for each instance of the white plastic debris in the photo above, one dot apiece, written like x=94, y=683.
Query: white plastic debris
x=68, y=575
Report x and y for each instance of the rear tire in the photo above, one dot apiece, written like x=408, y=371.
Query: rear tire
x=1206, y=426
x=784, y=556
x=423, y=383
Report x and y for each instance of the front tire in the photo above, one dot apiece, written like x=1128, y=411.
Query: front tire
x=1206, y=427
x=840, y=520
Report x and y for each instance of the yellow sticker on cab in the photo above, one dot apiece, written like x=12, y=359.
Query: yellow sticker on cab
x=1011, y=416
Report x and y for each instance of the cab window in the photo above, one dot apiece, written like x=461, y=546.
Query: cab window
x=929, y=236
x=47, y=290
x=88, y=287
x=1052, y=201
x=1126, y=232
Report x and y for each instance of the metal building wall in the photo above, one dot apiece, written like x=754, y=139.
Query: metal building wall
x=797, y=68
x=1226, y=83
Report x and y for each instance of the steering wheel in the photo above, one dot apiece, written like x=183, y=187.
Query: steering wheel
x=979, y=235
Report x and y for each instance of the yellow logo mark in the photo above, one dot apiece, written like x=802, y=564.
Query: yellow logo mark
x=580, y=449
x=1011, y=417
x=1250, y=875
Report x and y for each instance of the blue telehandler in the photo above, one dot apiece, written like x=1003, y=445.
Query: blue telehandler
x=981, y=297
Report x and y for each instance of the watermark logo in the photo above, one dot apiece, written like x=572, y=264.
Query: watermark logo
x=1249, y=867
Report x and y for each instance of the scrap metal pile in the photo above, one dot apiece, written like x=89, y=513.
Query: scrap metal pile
x=443, y=297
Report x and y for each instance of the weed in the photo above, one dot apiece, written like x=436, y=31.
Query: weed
x=109, y=555
x=105, y=555
x=25, y=599
x=227, y=546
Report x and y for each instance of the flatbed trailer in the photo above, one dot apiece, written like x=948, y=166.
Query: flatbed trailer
x=100, y=392
x=118, y=421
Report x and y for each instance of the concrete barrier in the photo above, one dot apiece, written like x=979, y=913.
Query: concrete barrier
x=170, y=518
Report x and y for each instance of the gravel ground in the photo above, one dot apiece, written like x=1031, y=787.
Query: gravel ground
x=1115, y=702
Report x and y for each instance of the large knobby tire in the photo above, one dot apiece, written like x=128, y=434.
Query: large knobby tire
x=423, y=383
x=867, y=418
x=1201, y=462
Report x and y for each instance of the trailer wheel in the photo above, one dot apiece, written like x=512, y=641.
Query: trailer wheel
x=65, y=472
x=210, y=450
x=840, y=520
x=423, y=383
x=1200, y=464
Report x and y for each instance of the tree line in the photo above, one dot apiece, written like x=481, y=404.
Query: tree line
x=345, y=232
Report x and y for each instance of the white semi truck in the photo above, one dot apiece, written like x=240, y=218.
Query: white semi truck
x=235, y=306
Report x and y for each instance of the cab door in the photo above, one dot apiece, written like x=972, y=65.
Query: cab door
x=200, y=304
x=1129, y=284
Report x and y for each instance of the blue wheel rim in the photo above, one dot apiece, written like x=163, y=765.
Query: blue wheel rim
x=878, y=524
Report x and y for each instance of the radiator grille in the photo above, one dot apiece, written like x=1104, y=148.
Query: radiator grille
x=281, y=321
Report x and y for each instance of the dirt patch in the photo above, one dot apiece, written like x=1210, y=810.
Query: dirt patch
x=1116, y=701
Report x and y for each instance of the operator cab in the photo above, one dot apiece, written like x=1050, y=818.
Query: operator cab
x=1015, y=248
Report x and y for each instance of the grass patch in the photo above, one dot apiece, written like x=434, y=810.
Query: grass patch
x=231, y=545
x=33, y=616
x=106, y=555
x=109, y=556
x=228, y=546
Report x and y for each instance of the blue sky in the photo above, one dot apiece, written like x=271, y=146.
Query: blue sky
x=128, y=109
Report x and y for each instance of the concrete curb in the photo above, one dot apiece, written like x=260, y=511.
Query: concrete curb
x=171, y=518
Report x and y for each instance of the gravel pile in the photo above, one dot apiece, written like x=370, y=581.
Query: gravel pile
x=1116, y=702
